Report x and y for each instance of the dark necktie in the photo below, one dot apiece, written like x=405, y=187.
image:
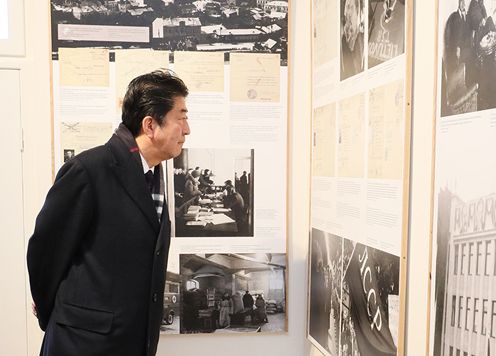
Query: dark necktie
x=149, y=180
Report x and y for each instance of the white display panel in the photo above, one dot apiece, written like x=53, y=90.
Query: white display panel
x=237, y=110
x=360, y=175
x=463, y=289
x=4, y=20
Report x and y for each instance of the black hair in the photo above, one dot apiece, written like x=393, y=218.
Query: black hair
x=151, y=94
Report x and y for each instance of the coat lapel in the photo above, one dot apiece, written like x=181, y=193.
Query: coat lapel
x=130, y=174
x=165, y=227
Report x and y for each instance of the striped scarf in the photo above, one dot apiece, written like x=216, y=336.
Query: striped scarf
x=158, y=189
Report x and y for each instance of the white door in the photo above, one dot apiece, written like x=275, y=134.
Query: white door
x=13, y=325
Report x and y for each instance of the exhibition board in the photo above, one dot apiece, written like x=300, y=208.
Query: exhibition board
x=361, y=119
x=463, y=267
x=234, y=60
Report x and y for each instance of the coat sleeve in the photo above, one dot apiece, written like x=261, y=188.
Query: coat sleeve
x=60, y=227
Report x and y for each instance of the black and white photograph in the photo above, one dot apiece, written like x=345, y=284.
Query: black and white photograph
x=68, y=154
x=233, y=293
x=172, y=295
x=370, y=311
x=463, y=302
x=465, y=292
x=352, y=37
x=354, y=297
x=467, y=36
x=174, y=25
x=326, y=271
x=213, y=192
x=386, y=30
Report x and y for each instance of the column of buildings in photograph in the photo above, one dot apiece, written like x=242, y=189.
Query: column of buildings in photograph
x=470, y=314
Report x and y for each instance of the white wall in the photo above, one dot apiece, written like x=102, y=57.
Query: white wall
x=35, y=110
x=34, y=79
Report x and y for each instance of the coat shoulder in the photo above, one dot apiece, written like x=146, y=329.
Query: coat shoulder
x=95, y=155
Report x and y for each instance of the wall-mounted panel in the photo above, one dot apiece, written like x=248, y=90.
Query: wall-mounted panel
x=233, y=56
x=361, y=99
x=463, y=290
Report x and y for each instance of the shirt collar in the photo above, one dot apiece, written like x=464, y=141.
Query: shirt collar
x=146, y=168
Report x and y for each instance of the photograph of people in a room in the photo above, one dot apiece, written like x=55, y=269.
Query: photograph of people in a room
x=354, y=297
x=233, y=293
x=468, y=60
x=173, y=25
x=386, y=30
x=352, y=37
x=213, y=192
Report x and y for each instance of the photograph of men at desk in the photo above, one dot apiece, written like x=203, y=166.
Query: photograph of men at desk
x=213, y=192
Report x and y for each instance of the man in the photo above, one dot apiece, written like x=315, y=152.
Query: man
x=352, y=38
x=458, y=40
x=481, y=25
x=248, y=300
x=191, y=189
x=205, y=182
x=98, y=254
x=68, y=154
x=234, y=201
x=248, y=303
x=244, y=189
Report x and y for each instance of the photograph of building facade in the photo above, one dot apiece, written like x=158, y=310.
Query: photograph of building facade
x=468, y=290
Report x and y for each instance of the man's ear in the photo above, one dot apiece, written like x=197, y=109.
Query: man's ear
x=147, y=126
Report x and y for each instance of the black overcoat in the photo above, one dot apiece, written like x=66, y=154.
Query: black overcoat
x=98, y=256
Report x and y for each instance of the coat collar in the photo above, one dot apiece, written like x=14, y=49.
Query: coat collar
x=129, y=173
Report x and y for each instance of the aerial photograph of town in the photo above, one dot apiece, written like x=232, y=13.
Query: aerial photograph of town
x=173, y=25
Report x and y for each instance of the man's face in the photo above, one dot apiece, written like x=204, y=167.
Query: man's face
x=168, y=139
x=461, y=5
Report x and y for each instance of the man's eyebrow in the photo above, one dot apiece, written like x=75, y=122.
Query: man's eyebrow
x=184, y=110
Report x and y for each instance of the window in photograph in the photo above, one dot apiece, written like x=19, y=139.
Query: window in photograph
x=4, y=20
x=192, y=284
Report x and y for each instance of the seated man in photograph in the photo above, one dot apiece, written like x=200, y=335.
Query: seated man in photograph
x=205, y=182
x=191, y=187
x=234, y=201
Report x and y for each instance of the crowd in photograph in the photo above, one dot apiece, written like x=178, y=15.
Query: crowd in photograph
x=240, y=309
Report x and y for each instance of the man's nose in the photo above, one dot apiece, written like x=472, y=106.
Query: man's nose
x=186, y=129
